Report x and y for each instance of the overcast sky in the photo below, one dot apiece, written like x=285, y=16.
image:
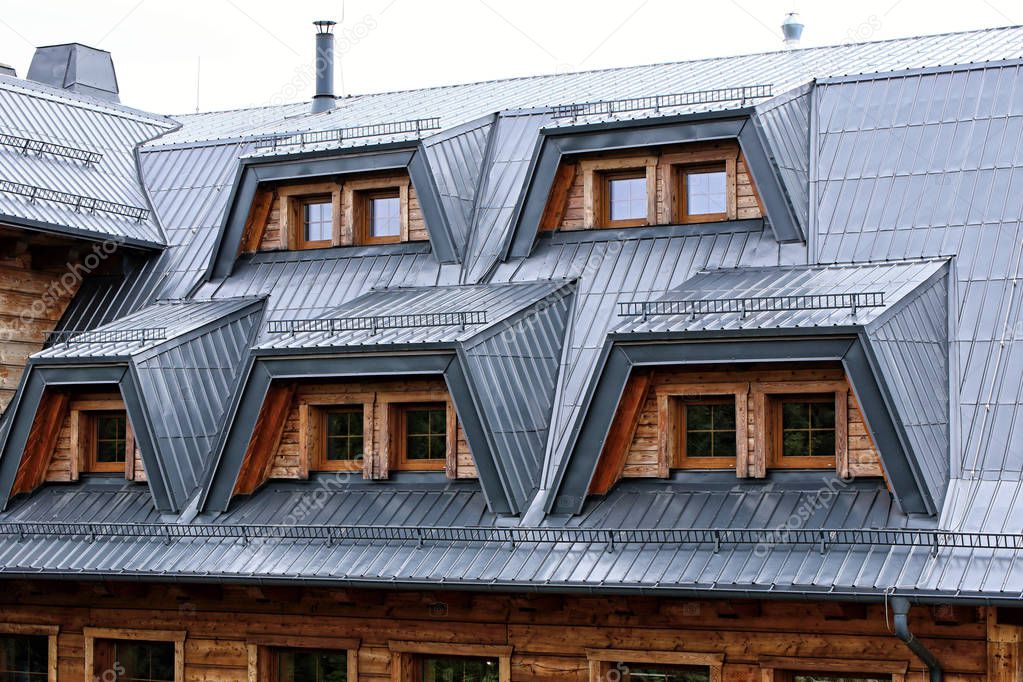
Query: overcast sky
x=224, y=54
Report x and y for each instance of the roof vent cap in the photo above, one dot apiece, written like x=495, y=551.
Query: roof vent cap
x=324, y=99
x=76, y=68
x=792, y=29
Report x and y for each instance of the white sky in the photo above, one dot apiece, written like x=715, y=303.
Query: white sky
x=254, y=52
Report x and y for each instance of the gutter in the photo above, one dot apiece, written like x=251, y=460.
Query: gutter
x=900, y=608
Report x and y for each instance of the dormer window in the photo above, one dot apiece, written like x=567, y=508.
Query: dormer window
x=343, y=438
x=317, y=222
x=625, y=199
x=707, y=431
x=422, y=437
x=107, y=447
x=704, y=193
x=804, y=431
x=384, y=216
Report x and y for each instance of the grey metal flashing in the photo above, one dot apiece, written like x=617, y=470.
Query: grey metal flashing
x=441, y=239
x=557, y=143
x=572, y=482
x=253, y=171
x=767, y=179
x=604, y=234
x=41, y=377
x=78, y=233
x=224, y=473
x=923, y=71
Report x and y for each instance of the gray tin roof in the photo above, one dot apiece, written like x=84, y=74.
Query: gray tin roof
x=906, y=175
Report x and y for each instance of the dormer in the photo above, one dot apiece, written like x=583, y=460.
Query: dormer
x=688, y=184
x=356, y=210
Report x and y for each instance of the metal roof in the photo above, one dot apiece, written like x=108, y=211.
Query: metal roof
x=890, y=174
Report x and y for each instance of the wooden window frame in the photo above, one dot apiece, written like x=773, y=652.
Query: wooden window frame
x=681, y=460
x=602, y=661
x=293, y=200
x=399, y=440
x=595, y=178
x=673, y=168
x=51, y=632
x=175, y=636
x=357, y=194
x=767, y=448
x=405, y=655
x=604, y=197
x=312, y=436
x=684, y=171
x=260, y=652
x=387, y=402
x=782, y=668
x=669, y=435
x=83, y=438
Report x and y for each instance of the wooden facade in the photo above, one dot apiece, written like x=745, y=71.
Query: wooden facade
x=222, y=631
x=574, y=201
x=274, y=217
x=643, y=439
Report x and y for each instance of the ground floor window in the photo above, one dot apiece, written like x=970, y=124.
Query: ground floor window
x=793, y=669
x=817, y=677
x=458, y=669
x=124, y=655
x=627, y=665
x=308, y=665
x=24, y=658
x=639, y=672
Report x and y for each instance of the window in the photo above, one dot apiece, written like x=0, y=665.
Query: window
x=704, y=193
x=108, y=446
x=622, y=665
x=423, y=436
x=133, y=661
x=625, y=199
x=792, y=669
x=317, y=222
x=308, y=665
x=384, y=215
x=343, y=443
x=707, y=424
x=24, y=658
x=817, y=677
x=458, y=669
x=804, y=431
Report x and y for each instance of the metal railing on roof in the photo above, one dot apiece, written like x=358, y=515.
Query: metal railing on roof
x=414, y=126
x=100, y=336
x=375, y=323
x=78, y=201
x=26, y=145
x=934, y=540
x=742, y=94
x=748, y=306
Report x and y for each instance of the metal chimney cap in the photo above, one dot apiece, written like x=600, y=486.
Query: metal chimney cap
x=792, y=28
x=324, y=25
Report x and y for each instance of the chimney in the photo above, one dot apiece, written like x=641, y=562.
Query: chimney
x=791, y=29
x=76, y=68
x=324, y=99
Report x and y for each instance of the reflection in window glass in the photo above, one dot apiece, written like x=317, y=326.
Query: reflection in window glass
x=710, y=428
x=309, y=665
x=627, y=198
x=344, y=435
x=385, y=216
x=111, y=436
x=705, y=192
x=457, y=669
x=134, y=661
x=814, y=677
x=318, y=221
x=808, y=428
x=24, y=658
x=426, y=432
x=643, y=672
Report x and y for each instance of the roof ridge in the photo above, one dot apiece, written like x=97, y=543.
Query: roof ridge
x=32, y=88
x=615, y=69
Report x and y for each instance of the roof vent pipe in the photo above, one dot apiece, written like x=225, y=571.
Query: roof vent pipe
x=900, y=608
x=791, y=29
x=324, y=99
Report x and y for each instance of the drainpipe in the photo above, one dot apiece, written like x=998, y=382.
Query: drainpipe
x=900, y=608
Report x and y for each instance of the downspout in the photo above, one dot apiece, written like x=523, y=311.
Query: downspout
x=900, y=609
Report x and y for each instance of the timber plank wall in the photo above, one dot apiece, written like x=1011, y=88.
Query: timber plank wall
x=549, y=635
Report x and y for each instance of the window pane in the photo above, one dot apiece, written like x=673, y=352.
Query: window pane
x=311, y=666
x=140, y=662
x=344, y=435
x=385, y=216
x=627, y=200
x=698, y=417
x=795, y=416
x=698, y=444
x=664, y=673
x=318, y=221
x=111, y=430
x=795, y=444
x=705, y=192
x=460, y=669
x=822, y=443
x=724, y=443
x=710, y=430
x=23, y=658
x=822, y=415
x=724, y=417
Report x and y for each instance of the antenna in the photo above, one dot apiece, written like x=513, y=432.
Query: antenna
x=198, y=70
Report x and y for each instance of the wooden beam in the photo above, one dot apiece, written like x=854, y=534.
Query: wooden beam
x=42, y=439
x=255, y=225
x=1004, y=655
x=266, y=436
x=557, y=199
x=623, y=429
